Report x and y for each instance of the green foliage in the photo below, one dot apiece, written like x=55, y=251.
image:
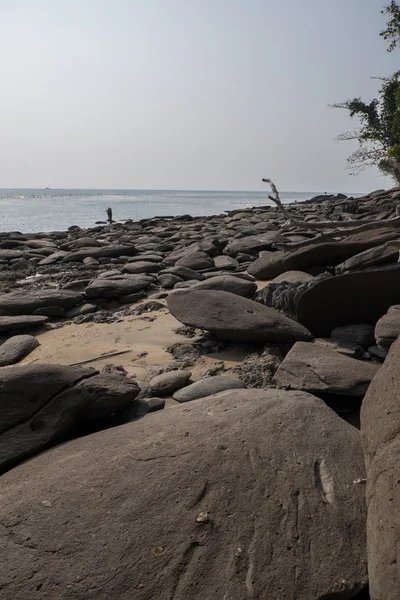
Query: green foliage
x=392, y=32
x=379, y=132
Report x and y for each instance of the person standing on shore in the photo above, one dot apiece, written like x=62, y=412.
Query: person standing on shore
x=109, y=215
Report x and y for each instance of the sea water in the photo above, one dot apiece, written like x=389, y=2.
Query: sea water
x=29, y=210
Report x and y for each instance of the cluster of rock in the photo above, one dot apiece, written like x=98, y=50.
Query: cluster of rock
x=247, y=493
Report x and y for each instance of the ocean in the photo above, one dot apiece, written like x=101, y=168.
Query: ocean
x=29, y=210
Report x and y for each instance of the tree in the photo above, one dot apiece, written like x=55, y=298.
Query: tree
x=392, y=32
x=378, y=135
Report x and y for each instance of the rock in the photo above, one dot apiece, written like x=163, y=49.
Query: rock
x=226, y=263
x=40, y=403
x=116, y=287
x=380, y=428
x=195, y=261
x=21, y=322
x=223, y=497
x=327, y=254
x=377, y=352
x=346, y=348
x=361, y=297
x=257, y=371
x=208, y=387
x=369, y=258
x=37, y=404
x=253, y=243
x=83, y=309
x=26, y=302
x=167, y=383
x=50, y=311
x=293, y=277
x=387, y=329
x=232, y=317
x=315, y=368
x=102, y=252
x=184, y=273
x=109, y=395
x=228, y=283
x=360, y=334
x=15, y=348
x=141, y=267
x=169, y=280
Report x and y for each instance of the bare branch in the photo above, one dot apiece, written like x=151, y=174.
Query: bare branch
x=326, y=224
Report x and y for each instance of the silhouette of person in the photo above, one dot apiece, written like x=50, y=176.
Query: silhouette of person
x=109, y=214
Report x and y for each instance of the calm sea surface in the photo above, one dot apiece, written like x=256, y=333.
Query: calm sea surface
x=55, y=210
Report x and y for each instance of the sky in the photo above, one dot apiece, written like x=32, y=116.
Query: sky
x=186, y=94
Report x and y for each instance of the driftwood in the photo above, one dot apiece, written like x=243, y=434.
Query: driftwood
x=340, y=228
x=90, y=360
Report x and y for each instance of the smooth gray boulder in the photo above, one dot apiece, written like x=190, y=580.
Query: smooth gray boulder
x=208, y=387
x=117, y=286
x=253, y=243
x=380, y=429
x=247, y=494
x=142, y=266
x=15, y=348
x=232, y=317
x=318, y=369
x=226, y=263
x=8, y=324
x=24, y=303
x=387, y=329
x=40, y=403
x=167, y=383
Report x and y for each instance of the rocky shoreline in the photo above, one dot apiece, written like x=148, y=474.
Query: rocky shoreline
x=310, y=305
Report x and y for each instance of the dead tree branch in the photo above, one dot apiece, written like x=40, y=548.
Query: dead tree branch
x=355, y=224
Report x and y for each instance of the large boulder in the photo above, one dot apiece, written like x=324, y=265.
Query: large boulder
x=373, y=257
x=101, y=252
x=361, y=297
x=117, y=286
x=380, y=428
x=15, y=348
x=317, y=368
x=24, y=303
x=273, y=264
x=387, y=329
x=247, y=494
x=40, y=403
x=232, y=317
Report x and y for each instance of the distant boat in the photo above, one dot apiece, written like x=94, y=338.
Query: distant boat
x=46, y=188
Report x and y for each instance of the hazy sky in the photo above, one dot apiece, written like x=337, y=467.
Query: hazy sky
x=185, y=94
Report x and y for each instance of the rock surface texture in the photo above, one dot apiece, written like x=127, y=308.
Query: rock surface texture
x=380, y=427
x=231, y=317
x=247, y=494
x=315, y=368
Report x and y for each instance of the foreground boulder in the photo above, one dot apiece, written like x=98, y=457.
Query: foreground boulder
x=222, y=498
x=232, y=317
x=380, y=428
x=316, y=368
x=361, y=297
x=39, y=403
